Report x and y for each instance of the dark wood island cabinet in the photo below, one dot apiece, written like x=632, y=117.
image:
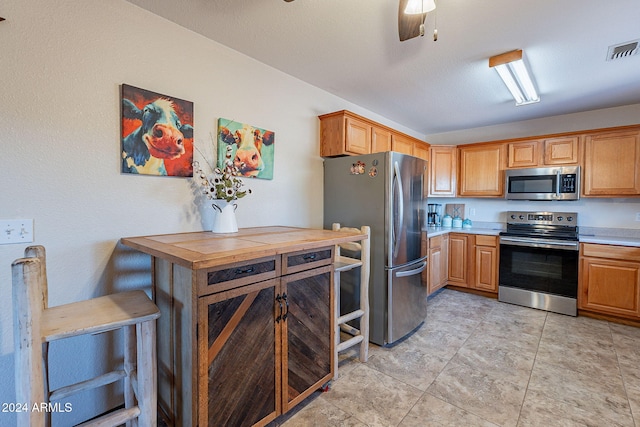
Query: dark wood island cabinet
x=246, y=327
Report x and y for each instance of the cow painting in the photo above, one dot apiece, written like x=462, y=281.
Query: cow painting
x=156, y=134
x=252, y=148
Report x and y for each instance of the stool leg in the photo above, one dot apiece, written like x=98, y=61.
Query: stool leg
x=336, y=328
x=129, y=333
x=29, y=378
x=45, y=377
x=146, y=373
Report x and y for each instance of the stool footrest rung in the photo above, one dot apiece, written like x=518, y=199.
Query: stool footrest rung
x=350, y=316
x=115, y=418
x=349, y=343
x=99, y=381
x=343, y=263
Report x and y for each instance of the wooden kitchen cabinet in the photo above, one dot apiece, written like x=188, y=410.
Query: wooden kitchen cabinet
x=269, y=344
x=246, y=330
x=343, y=133
x=402, y=144
x=609, y=280
x=473, y=261
x=482, y=170
x=612, y=164
x=561, y=150
x=458, y=268
x=421, y=150
x=486, y=263
x=443, y=165
x=523, y=154
x=380, y=140
x=438, y=262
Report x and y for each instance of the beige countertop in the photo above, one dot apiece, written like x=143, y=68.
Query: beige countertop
x=490, y=228
x=598, y=235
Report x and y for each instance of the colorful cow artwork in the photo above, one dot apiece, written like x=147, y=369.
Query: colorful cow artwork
x=253, y=148
x=157, y=133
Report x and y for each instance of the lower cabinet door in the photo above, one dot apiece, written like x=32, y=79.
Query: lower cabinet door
x=238, y=360
x=307, y=333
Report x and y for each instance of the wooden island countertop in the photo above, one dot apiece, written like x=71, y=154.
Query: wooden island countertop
x=204, y=249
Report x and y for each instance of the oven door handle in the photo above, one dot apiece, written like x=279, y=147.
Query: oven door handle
x=517, y=241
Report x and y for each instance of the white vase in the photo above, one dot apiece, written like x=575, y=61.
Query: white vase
x=224, y=217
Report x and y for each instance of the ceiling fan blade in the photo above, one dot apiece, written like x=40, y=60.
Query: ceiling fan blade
x=408, y=25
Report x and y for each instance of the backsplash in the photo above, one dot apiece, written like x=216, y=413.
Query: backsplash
x=593, y=213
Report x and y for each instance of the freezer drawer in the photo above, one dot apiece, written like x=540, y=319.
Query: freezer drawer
x=407, y=300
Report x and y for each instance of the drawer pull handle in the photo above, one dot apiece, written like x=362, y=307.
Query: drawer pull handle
x=245, y=271
x=279, y=299
x=310, y=257
x=284, y=297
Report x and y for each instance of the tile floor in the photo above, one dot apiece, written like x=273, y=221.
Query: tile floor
x=479, y=362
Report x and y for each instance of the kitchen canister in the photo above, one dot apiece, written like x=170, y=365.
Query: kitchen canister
x=446, y=220
x=456, y=222
x=466, y=223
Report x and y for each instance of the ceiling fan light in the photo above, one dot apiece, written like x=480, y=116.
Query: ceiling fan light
x=416, y=7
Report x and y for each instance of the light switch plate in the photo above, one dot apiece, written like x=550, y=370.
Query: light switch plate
x=16, y=231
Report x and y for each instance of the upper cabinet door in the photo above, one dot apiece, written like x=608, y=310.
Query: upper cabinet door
x=401, y=144
x=380, y=140
x=562, y=150
x=523, y=154
x=358, y=136
x=481, y=170
x=612, y=164
x=443, y=167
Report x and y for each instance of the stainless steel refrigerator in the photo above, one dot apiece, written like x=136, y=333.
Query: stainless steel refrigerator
x=385, y=191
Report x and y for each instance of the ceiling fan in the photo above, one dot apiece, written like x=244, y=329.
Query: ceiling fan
x=411, y=17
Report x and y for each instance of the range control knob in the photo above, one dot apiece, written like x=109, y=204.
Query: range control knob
x=569, y=218
x=521, y=217
x=513, y=217
x=560, y=218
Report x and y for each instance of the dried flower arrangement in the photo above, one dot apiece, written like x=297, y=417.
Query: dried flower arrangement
x=225, y=184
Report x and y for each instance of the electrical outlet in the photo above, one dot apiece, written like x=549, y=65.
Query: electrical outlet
x=472, y=211
x=16, y=231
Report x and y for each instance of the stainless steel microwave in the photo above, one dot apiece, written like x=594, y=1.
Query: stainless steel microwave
x=551, y=183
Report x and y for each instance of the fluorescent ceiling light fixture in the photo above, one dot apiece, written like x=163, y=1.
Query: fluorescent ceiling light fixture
x=513, y=72
x=416, y=7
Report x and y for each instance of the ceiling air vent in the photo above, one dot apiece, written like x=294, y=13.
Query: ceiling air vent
x=622, y=50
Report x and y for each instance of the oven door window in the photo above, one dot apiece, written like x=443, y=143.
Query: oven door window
x=554, y=271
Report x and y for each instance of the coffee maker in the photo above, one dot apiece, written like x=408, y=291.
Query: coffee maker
x=434, y=214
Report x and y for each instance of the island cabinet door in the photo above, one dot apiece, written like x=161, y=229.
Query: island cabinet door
x=307, y=333
x=238, y=356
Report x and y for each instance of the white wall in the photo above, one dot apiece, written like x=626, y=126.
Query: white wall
x=62, y=64
x=593, y=212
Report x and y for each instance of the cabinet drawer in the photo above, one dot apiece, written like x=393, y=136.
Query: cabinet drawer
x=483, y=240
x=304, y=260
x=233, y=275
x=435, y=242
x=628, y=253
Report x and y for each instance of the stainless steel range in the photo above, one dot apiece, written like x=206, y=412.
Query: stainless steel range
x=539, y=261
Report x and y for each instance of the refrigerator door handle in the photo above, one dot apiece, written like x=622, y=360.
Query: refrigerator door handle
x=414, y=271
x=398, y=223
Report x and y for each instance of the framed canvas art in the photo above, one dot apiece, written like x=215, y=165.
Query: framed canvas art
x=157, y=133
x=252, y=148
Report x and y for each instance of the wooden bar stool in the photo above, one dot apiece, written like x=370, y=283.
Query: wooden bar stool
x=36, y=325
x=342, y=264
